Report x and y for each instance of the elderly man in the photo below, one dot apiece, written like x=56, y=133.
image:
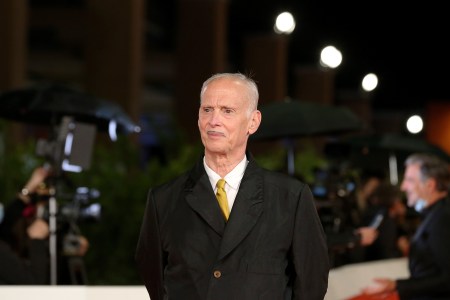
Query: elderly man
x=426, y=183
x=228, y=229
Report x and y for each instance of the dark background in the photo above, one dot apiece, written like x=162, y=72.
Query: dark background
x=403, y=43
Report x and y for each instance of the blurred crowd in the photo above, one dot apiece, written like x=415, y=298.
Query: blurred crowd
x=365, y=218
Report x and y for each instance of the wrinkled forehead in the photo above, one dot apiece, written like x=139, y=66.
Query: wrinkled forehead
x=226, y=90
x=413, y=170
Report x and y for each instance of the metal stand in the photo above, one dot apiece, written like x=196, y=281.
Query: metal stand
x=290, y=156
x=53, y=210
x=77, y=271
x=393, y=171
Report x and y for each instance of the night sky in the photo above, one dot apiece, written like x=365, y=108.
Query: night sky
x=405, y=45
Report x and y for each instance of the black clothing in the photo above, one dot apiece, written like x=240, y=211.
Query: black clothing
x=22, y=261
x=272, y=247
x=16, y=270
x=429, y=256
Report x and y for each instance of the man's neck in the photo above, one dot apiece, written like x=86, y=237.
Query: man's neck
x=222, y=164
x=435, y=197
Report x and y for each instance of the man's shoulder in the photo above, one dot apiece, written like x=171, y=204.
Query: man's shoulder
x=281, y=178
x=173, y=184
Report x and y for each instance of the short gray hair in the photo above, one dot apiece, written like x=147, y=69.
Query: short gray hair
x=253, y=94
x=431, y=166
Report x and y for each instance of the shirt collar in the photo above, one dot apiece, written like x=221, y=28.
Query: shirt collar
x=233, y=178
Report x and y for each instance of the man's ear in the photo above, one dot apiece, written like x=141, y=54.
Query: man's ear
x=431, y=184
x=255, y=121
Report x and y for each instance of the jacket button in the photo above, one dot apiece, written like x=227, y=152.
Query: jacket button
x=217, y=274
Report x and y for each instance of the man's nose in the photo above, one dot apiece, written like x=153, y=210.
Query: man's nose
x=402, y=186
x=215, y=118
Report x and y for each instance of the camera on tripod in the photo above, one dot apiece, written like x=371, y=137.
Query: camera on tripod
x=70, y=149
x=80, y=208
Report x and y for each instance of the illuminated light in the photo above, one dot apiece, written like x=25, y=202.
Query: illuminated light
x=284, y=24
x=414, y=124
x=68, y=144
x=112, y=130
x=330, y=57
x=369, y=82
x=66, y=166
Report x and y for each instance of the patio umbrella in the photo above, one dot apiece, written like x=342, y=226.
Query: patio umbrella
x=393, y=145
x=291, y=119
x=47, y=104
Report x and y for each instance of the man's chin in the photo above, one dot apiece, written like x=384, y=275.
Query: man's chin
x=412, y=203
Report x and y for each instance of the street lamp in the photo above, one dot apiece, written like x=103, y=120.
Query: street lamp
x=330, y=57
x=369, y=82
x=414, y=124
x=284, y=23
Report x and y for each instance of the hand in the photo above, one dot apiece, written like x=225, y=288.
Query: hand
x=83, y=246
x=38, y=229
x=37, y=177
x=403, y=245
x=380, y=285
x=368, y=235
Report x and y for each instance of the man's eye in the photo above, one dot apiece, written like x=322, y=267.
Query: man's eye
x=207, y=109
x=228, y=111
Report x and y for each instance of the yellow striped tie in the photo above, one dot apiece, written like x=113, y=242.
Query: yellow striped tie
x=222, y=198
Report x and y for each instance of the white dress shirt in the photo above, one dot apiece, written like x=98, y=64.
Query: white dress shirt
x=233, y=179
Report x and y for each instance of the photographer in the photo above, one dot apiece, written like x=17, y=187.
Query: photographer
x=24, y=233
x=24, y=257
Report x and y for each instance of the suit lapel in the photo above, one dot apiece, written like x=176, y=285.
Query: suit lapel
x=246, y=211
x=202, y=200
x=428, y=217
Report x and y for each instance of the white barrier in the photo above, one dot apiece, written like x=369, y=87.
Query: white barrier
x=347, y=281
x=20, y=292
x=344, y=282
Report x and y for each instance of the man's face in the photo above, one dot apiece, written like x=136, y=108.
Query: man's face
x=413, y=185
x=224, y=120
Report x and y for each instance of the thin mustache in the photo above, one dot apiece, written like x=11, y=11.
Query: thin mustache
x=214, y=132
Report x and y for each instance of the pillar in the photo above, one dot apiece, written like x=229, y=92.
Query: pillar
x=201, y=52
x=114, y=52
x=266, y=58
x=13, y=53
x=314, y=84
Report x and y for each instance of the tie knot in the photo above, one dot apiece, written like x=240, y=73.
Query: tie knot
x=221, y=183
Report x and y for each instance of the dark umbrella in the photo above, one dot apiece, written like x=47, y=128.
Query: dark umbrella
x=48, y=104
x=392, y=145
x=299, y=118
x=291, y=119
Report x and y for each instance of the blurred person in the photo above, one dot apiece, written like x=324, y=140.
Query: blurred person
x=265, y=242
x=24, y=231
x=426, y=183
x=348, y=242
x=35, y=268
x=369, y=182
x=343, y=246
x=24, y=260
x=386, y=203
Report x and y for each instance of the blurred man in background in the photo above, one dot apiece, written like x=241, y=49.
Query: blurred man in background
x=426, y=183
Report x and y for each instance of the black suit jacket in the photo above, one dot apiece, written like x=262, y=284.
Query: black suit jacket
x=272, y=247
x=429, y=257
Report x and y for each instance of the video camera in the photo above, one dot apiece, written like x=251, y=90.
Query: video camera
x=71, y=148
x=79, y=208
